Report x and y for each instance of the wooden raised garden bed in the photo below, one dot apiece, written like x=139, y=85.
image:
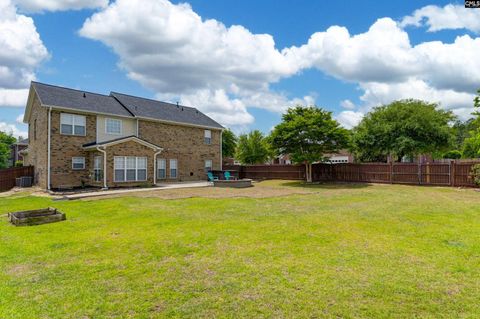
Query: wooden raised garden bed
x=36, y=217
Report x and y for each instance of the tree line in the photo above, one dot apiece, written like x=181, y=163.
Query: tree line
x=400, y=131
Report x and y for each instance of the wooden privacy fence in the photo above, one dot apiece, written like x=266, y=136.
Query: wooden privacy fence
x=294, y=172
x=442, y=174
x=8, y=176
x=446, y=174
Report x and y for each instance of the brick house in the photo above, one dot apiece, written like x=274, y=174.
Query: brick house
x=79, y=138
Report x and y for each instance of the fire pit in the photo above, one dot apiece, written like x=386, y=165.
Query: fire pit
x=235, y=183
x=36, y=217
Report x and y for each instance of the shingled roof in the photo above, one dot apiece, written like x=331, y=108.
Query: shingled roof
x=121, y=105
x=52, y=95
x=147, y=108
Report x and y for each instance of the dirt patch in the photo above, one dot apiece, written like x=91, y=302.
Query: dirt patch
x=260, y=190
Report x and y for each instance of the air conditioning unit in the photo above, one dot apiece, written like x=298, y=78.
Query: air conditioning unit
x=24, y=181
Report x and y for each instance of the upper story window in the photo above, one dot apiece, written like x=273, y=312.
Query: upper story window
x=208, y=137
x=113, y=126
x=72, y=124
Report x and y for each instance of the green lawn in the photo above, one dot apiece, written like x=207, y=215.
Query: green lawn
x=378, y=251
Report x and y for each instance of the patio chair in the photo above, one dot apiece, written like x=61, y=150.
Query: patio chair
x=227, y=175
x=211, y=177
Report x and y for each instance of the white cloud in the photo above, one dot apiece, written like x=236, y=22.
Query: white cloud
x=22, y=52
x=449, y=17
x=226, y=70
x=349, y=119
x=12, y=129
x=19, y=119
x=347, y=104
x=171, y=50
x=59, y=5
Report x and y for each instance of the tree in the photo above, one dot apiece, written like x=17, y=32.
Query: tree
x=252, y=148
x=471, y=147
x=6, y=140
x=229, y=143
x=307, y=134
x=402, y=128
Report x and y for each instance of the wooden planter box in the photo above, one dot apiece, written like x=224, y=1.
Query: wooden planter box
x=36, y=217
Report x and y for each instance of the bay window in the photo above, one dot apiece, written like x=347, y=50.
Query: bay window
x=130, y=169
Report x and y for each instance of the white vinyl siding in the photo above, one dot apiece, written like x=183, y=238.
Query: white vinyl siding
x=208, y=137
x=72, y=124
x=162, y=168
x=113, y=126
x=208, y=165
x=173, y=168
x=130, y=169
x=78, y=163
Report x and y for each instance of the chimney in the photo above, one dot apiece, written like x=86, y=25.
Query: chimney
x=84, y=95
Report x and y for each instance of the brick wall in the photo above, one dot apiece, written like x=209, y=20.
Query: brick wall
x=37, y=148
x=64, y=147
x=186, y=145
x=129, y=149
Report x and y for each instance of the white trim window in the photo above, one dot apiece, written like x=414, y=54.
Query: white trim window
x=208, y=165
x=78, y=163
x=98, y=168
x=173, y=168
x=72, y=124
x=208, y=137
x=130, y=169
x=113, y=126
x=161, y=168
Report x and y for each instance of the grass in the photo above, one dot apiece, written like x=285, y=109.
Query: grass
x=350, y=251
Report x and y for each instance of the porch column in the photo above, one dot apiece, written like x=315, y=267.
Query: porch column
x=104, y=152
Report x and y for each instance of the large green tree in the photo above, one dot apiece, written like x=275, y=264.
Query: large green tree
x=229, y=143
x=252, y=148
x=402, y=128
x=6, y=140
x=307, y=134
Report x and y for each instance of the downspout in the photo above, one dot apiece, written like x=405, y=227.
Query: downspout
x=155, y=166
x=221, y=155
x=104, y=167
x=48, y=146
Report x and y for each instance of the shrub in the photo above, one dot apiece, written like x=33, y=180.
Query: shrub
x=452, y=154
x=475, y=174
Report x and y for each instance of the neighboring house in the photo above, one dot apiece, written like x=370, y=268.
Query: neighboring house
x=343, y=156
x=283, y=159
x=80, y=138
x=16, y=150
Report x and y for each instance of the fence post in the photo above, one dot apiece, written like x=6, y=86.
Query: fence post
x=391, y=172
x=419, y=173
x=428, y=173
x=452, y=172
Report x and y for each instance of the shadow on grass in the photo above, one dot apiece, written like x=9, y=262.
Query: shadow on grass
x=326, y=185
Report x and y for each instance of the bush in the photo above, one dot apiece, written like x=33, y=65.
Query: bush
x=452, y=154
x=18, y=163
x=475, y=174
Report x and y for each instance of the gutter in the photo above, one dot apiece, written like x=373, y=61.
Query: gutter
x=48, y=147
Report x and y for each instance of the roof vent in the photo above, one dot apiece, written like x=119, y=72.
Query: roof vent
x=182, y=108
x=177, y=103
x=84, y=95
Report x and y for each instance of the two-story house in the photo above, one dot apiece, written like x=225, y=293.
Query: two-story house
x=80, y=138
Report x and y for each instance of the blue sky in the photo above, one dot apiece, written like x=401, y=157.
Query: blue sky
x=239, y=78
